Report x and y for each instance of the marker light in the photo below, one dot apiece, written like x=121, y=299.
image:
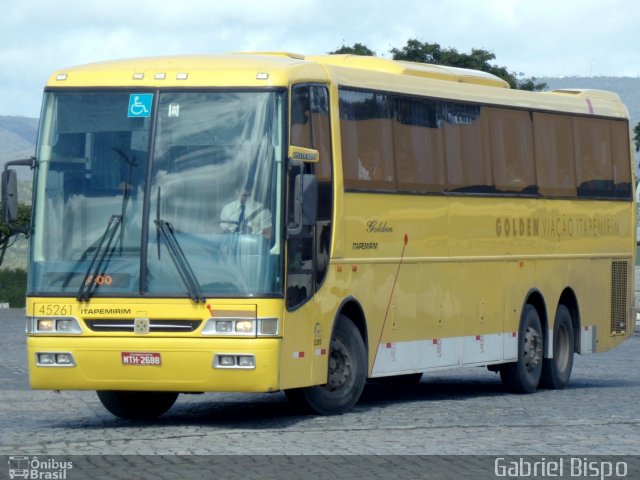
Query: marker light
x=182, y=76
x=61, y=77
x=160, y=76
x=268, y=326
x=138, y=76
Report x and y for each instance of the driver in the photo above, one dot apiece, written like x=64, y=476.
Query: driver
x=246, y=216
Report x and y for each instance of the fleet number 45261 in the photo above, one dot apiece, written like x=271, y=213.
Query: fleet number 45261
x=53, y=309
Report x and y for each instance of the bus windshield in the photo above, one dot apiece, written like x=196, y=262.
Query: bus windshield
x=165, y=194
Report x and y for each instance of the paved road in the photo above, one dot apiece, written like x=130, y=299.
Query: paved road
x=459, y=412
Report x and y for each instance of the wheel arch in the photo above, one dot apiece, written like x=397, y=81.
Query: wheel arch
x=352, y=309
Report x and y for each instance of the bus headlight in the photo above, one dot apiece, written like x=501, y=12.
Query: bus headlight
x=53, y=326
x=242, y=327
x=55, y=359
x=46, y=358
x=46, y=325
x=245, y=326
x=224, y=326
x=226, y=361
x=64, y=359
x=246, y=361
x=65, y=325
x=229, y=360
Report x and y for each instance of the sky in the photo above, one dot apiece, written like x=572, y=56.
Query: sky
x=534, y=37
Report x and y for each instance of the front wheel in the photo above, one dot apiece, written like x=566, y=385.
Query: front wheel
x=346, y=377
x=137, y=405
x=523, y=375
x=556, y=371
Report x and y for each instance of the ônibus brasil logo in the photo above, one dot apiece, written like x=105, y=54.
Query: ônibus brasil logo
x=40, y=469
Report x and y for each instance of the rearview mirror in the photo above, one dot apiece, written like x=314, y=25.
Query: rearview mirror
x=305, y=208
x=9, y=197
x=10, y=193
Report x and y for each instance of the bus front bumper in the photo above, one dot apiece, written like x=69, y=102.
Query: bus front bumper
x=153, y=364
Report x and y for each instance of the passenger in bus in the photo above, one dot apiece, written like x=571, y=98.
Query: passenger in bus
x=246, y=216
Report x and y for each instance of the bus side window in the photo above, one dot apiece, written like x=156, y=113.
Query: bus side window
x=554, y=158
x=594, y=167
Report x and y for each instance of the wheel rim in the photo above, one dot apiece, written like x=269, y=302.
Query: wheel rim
x=340, y=366
x=532, y=349
x=562, y=349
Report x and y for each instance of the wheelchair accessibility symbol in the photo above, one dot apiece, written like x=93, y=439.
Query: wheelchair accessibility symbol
x=140, y=105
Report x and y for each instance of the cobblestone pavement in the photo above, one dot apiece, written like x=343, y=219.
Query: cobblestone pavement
x=463, y=412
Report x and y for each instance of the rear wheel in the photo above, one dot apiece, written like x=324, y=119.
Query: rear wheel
x=523, y=375
x=137, y=405
x=346, y=377
x=556, y=371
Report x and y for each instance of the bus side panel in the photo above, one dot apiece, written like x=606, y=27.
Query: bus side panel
x=393, y=294
x=483, y=313
x=440, y=315
x=297, y=353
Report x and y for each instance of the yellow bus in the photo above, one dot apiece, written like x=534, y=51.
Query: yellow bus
x=272, y=222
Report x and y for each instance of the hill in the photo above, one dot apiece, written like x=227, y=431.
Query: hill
x=17, y=140
x=628, y=88
x=23, y=127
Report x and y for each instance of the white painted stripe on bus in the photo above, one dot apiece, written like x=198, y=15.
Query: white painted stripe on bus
x=396, y=358
x=438, y=353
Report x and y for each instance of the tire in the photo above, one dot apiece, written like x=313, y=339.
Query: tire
x=346, y=377
x=137, y=405
x=523, y=376
x=556, y=371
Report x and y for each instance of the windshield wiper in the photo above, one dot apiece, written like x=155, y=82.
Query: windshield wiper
x=165, y=229
x=180, y=261
x=87, y=287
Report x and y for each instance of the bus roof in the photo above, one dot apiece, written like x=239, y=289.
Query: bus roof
x=280, y=69
x=423, y=70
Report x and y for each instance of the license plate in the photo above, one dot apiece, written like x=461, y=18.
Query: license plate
x=151, y=359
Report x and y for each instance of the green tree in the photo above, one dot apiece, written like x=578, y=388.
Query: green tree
x=6, y=235
x=478, y=59
x=13, y=285
x=636, y=136
x=356, y=49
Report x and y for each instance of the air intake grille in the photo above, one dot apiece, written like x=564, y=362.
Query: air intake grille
x=619, y=295
x=173, y=326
